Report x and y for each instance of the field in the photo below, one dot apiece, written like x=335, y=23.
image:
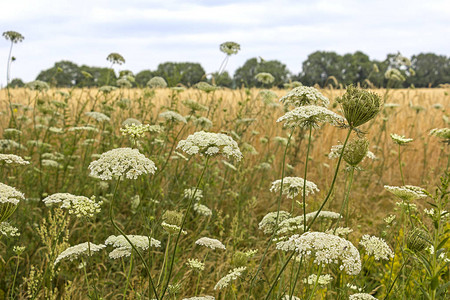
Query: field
x=190, y=193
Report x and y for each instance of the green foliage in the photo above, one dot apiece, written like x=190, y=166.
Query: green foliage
x=246, y=74
x=185, y=73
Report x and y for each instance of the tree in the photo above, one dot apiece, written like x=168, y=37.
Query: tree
x=143, y=77
x=431, y=70
x=98, y=77
x=222, y=79
x=356, y=68
x=63, y=74
x=16, y=83
x=185, y=73
x=246, y=74
x=319, y=66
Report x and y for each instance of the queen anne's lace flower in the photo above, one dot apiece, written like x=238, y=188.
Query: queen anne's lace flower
x=442, y=133
x=200, y=298
x=361, y=296
x=79, y=206
x=323, y=279
x=202, y=210
x=296, y=223
x=13, y=159
x=172, y=116
x=407, y=192
x=121, y=162
x=8, y=230
x=292, y=186
x=210, y=144
x=195, y=264
x=377, y=247
x=304, y=95
x=326, y=249
x=123, y=247
x=233, y=275
x=310, y=115
x=400, y=139
x=268, y=222
x=9, y=194
x=98, y=116
x=210, y=243
x=82, y=249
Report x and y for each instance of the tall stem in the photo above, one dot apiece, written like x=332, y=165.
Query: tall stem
x=304, y=179
x=128, y=240
x=181, y=228
x=400, y=164
x=8, y=66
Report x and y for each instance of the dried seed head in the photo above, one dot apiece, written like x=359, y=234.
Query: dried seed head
x=417, y=240
x=356, y=151
x=359, y=106
x=13, y=36
x=230, y=48
x=115, y=58
x=172, y=217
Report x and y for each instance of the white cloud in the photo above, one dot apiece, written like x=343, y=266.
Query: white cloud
x=147, y=33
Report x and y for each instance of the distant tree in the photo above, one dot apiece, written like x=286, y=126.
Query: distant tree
x=98, y=77
x=321, y=65
x=63, y=74
x=246, y=74
x=185, y=73
x=222, y=79
x=16, y=83
x=143, y=77
x=356, y=68
x=431, y=70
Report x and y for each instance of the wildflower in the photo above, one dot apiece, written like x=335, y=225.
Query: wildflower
x=13, y=36
x=172, y=116
x=121, y=162
x=13, y=159
x=202, y=210
x=442, y=133
x=394, y=74
x=189, y=193
x=135, y=131
x=359, y=106
x=340, y=231
x=200, y=298
x=292, y=186
x=82, y=128
x=206, y=87
x=326, y=248
x=232, y=275
x=37, y=85
x=210, y=144
x=194, y=105
x=295, y=224
x=98, y=116
x=230, y=48
x=310, y=115
x=210, y=243
x=195, y=264
x=287, y=297
x=407, y=192
x=361, y=296
x=354, y=287
x=123, y=247
x=267, y=96
x=115, y=58
x=389, y=219
x=77, y=251
x=304, y=95
x=417, y=240
x=9, y=198
x=292, y=85
x=400, y=139
x=18, y=250
x=268, y=222
x=377, y=247
x=50, y=163
x=130, y=122
x=279, y=140
x=106, y=89
x=172, y=228
x=323, y=279
x=203, y=122
x=10, y=144
x=124, y=83
x=157, y=82
x=265, y=78
x=8, y=230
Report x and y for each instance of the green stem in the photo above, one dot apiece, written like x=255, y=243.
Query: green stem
x=315, y=283
x=395, y=279
x=181, y=228
x=15, y=276
x=128, y=276
x=128, y=240
x=86, y=278
x=400, y=164
x=347, y=195
x=304, y=179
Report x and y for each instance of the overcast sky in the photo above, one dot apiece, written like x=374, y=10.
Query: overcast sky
x=148, y=32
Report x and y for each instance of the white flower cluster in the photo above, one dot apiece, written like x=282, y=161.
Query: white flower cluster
x=326, y=248
x=211, y=243
x=361, y=296
x=189, y=193
x=98, y=116
x=287, y=297
x=233, y=275
x=296, y=223
x=400, y=139
x=172, y=228
x=123, y=247
x=310, y=115
x=323, y=279
x=203, y=122
x=135, y=131
x=200, y=298
x=202, y=210
x=82, y=128
x=304, y=95
x=8, y=230
x=8, y=194
x=76, y=251
x=121, y=162
x=172, y=116
x=407, y=192
x=210, y=144
x=377, y=247
x=79, y=206
x=10, y=144
x=13, y=159
x=340, y=231
x=292, y=186
x=268, y=222
x=195, y=264
x=336, y=150
x=49, y=163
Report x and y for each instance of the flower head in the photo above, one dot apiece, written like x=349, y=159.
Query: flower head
x=406, y=192
x=361, y=296
x=359, y=106
x=442, y=133
x=230, y=48
x=210, y=243
x=310, y=115
x=76, y=251
x=121, y=162
x=377, y=247
x=98, y=116
x=115, y=58
x=79, y=206
x=265, y=77
x=268, y=222
x=13, y=159
x=304, y=95
x=206, y=87
x=9, y=198
x=172, y=116
x=400, y=139
x=232, y=275
x=13, y=36
x=210, y=144
x=123, y=247
x=157, y=82
x=292, y=186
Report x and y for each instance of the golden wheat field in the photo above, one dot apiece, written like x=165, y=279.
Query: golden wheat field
x=181, y=212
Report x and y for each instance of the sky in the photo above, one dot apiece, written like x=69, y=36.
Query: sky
x=147, y=32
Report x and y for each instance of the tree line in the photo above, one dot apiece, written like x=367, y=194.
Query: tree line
x=323, y=68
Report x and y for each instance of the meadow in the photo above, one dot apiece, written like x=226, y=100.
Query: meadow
x=204, y=193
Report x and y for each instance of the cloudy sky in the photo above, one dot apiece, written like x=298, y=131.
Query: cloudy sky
x=148, y=32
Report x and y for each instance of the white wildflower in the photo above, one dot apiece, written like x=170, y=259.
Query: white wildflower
x=202, y=210
x=120, y=162
x=210, y=243
x=98, y=116
x=323, y=279
x=172, y=116
x=123, y=247
x=8, y=230
x=232, y=275
x=75, y=252
x=400, y=139
x=310, y=115
x=9, y=194
x=304, y=95
x=195, y=264
x=361, y=296
x=407, y=192
x=82, y=128
x=268, y=222
x=13, y=159
x=200, y=298
x=292, y=186
x=377, y=247
x=189, y=193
